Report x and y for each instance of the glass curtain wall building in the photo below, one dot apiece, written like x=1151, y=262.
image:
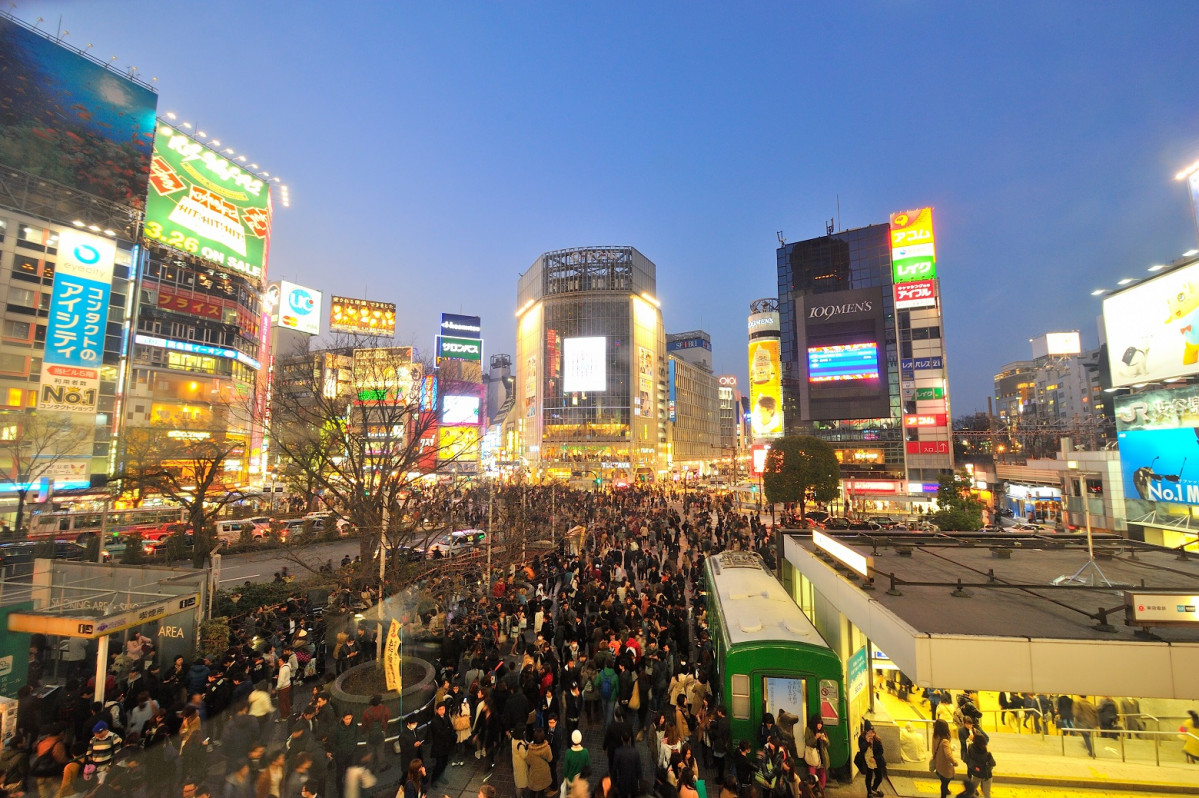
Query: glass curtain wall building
x=590, y=366
x=842, y=264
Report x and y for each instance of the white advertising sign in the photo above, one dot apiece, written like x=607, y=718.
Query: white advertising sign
x=584, y=366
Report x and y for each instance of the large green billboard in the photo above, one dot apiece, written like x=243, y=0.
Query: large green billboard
x=204, y=204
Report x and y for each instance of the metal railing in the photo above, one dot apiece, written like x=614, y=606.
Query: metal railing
x=1096, y=735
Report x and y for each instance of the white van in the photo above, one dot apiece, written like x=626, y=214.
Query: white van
x=454, y=543
x=229, y=530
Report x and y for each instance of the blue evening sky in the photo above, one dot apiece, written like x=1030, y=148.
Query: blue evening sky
x=435, y=149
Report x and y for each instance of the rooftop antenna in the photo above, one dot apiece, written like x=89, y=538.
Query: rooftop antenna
x=839, y=227
x=782, y=241
x=828, y=227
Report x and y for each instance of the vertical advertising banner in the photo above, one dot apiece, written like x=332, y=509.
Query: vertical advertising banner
x=391, y=657
x=913, y=256
x=78, y=318
x=645, y=382
x=765, y=389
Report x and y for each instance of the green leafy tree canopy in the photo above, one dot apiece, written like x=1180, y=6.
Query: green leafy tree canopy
x=961, y=510
x=801, y=470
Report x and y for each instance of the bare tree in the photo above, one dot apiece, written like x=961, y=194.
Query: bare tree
x=351, y=421
x=185, y=462
x=36, y=446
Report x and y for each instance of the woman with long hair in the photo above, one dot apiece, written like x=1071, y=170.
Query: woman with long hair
x=944, y=762
x=815, y=739
x=414, y=783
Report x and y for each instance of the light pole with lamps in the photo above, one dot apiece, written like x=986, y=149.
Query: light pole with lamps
x=1084, y=494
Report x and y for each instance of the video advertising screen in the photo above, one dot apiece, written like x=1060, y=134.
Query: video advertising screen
x=456, y=410
x=843, y=362
x=584, y=365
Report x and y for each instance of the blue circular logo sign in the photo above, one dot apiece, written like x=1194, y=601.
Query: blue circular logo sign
x=300, y=302
x=85, y=253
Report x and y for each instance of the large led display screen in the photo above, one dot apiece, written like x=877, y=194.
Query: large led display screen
x=206, y=205
x=842, y=341
x=458, y=443
x=299, y=308
x=456, y=410
x=913, y=253
x=1153, y=328
x=66, y=118
x=765, y=389
x=843, y=362
x=78, y=317
x=584, y=364
x=1158, y=435
x=362, y=317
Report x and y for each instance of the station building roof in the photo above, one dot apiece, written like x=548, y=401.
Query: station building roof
x=1020, y=620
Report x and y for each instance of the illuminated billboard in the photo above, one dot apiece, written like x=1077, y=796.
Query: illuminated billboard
x=64, y=117
x=765, y=389
x=1158, y=435
x=385, y=374
x=299, y=308
x=916, y=294
x=913, y=253
x=584, y=366
x=457, y=443
x=456, y=410
x=461, y=326
x=78, y=318
x=843, y=362
x=206, y=205
x=459, y=348
x=645, y=382
x=1153, y=328
x=362, y=317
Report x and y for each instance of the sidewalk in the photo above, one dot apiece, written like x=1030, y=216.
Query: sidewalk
x=1053, y=761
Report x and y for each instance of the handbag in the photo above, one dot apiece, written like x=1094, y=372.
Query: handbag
x=811, y=755
x=932, y=765
x=635, y=698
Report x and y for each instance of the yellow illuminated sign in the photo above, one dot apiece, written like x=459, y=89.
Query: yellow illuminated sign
x=765, y=389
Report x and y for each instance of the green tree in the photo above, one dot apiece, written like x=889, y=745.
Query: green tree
x=960, y=510
x=801, y=470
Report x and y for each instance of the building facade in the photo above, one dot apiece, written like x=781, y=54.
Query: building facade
x=693, y=404
x=591, y=367
x=863, y=357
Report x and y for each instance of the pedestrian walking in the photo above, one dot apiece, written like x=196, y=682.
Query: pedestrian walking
x=943, y=761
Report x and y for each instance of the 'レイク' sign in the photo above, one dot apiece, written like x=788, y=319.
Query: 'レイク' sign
x=927, y=447
x=917, y=294
x=1161, y=608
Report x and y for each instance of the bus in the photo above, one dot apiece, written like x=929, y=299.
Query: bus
x=72, y=525
x=769, y=656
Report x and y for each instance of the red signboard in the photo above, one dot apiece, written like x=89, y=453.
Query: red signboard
x=928, y=447
x=916, y=294
x=197, y=306
x=426, y=458
x=926, y=420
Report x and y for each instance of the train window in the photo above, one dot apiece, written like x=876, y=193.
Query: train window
x=740, y=688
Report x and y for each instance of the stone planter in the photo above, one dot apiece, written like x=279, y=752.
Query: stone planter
x=416, y=695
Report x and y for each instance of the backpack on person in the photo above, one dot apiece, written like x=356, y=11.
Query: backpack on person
x=607, y=678
x=45, y=765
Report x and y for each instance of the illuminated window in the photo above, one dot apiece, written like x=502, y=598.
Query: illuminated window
x=8, y=432
x=14, y=397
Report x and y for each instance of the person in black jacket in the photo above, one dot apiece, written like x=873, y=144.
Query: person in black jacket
x=626, y=769
x=719, y=738
x=871, y=760
x=443, y=738
x=743, y=765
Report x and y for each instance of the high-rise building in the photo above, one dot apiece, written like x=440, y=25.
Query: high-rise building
x=692, y=402
x=1057, y=393
x=68, y=258
x=863, y=360
x=591, y=366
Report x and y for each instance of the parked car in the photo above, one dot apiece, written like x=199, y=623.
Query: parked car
x=1024, y=526
x=819, y=516
x=26, y=551
x=452, y=544
x=884, y=521
x=864, y=525
x=837, y=523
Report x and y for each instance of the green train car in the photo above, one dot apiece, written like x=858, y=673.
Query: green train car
x=769, y=657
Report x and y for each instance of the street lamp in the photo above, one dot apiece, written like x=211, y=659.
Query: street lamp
x=1086, y=509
